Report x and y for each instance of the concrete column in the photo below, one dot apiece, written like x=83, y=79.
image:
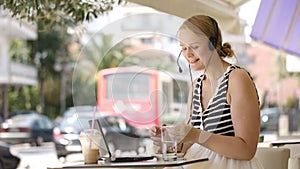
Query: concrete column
x=283, y=124
x=4, y=74
x=4, y=60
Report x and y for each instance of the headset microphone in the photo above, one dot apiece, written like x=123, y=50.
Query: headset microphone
x=179, y=68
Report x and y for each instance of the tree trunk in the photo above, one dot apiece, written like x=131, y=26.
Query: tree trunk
x=4, y=102
x=41, y=95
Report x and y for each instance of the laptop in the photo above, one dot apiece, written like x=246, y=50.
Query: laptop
x=104, y=149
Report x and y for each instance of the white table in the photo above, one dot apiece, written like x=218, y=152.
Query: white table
x=282, y=142
x=135, y=165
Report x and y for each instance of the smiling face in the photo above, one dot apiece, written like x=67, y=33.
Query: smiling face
x=195, y=49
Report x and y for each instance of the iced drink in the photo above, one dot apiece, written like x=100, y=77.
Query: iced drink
x=90, y=143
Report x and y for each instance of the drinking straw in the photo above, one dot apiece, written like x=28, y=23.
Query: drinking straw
x=93, y=120
x=92, y=127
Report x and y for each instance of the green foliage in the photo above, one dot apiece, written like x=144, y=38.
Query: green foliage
x=50, y=48
x=57, y=12
x=52, y=18
x=19, y=51
x=46, y=51
x=22, y=98
x=281, y=69
x=290, y=102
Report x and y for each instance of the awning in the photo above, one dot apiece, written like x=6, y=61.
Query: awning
x=225, y=11
x=277, y=24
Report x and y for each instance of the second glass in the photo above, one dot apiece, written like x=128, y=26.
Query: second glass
x=169, y=143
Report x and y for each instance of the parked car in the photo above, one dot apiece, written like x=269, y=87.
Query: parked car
x=19, y=112
x=119, y=134
x=7, y=160
x=269, y=119
x=27, y=128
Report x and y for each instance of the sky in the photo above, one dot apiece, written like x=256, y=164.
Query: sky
x=248, y=13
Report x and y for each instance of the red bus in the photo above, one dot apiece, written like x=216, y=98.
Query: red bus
x=144, y=96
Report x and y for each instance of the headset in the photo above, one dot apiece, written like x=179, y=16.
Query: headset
x=179, y=68
x=212, y=43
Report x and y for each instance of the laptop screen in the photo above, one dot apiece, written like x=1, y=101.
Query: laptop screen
x=118, y=135
x=104, y=148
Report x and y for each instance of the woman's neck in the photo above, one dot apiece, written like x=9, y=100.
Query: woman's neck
x=217, y=71
x=214, y=73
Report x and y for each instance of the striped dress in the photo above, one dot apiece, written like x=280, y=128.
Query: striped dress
x=215, y=119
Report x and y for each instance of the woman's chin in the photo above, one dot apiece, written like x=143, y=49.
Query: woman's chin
x=196, y=67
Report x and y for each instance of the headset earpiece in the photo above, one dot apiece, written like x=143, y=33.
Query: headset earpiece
x=212, y=43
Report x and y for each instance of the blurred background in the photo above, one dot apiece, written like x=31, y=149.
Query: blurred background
x=60, y=60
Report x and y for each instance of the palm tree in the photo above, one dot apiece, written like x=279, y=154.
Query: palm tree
x=97, y=54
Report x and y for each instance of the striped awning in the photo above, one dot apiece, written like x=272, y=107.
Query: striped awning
x=277, y=24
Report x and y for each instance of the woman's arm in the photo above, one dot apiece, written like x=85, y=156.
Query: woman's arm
x=242, y=97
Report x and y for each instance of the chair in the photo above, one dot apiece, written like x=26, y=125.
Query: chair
x=273, y=158
x=295, y=148
x=294, y=162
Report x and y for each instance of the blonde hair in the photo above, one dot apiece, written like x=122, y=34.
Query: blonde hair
x=206, y=25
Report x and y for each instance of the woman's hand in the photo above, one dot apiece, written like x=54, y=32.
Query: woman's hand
x=155, y=134
x=183, y=133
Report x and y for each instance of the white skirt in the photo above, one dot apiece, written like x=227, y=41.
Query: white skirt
x=217, y=161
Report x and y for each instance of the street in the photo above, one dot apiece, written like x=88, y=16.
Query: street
x=40, y=157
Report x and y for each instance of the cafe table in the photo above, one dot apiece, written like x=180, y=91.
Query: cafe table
x=201, y=162
x=282, y=142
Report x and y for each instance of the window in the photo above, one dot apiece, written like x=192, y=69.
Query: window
x=128, y=86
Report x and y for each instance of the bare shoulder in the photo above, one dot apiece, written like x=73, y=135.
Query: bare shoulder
x=241, y=86
x=240, y=82
x=239, y=76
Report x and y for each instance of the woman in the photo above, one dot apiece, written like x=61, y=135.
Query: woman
x=223, y=119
